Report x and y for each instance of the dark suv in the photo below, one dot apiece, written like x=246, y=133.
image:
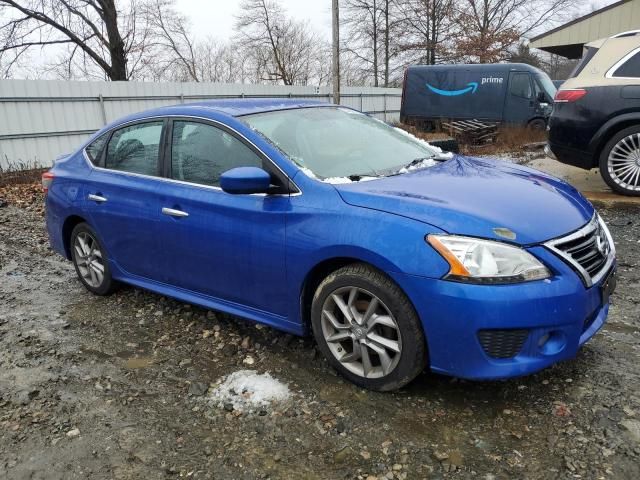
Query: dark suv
x=596, y=113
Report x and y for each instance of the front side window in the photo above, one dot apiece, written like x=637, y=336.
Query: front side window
x=630, y=68
x=521, y=85
x=338, y=142
x=135, y=149
x=201, y=153
x=94, y=149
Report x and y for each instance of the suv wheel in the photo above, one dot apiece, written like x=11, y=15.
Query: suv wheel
x=620, y=161
x=367, y=329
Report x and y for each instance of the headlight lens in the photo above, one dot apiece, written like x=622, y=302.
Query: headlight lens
x=475, y=260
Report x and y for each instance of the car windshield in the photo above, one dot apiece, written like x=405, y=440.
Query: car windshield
x=337, y=142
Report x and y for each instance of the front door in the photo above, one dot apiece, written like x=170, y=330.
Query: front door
x=231, y=247
x=520, y=102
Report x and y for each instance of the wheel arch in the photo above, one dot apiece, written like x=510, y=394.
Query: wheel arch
x=320, y=271
x=609, y=129
x=67, y=227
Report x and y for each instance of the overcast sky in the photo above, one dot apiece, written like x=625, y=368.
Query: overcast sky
x=216, y=17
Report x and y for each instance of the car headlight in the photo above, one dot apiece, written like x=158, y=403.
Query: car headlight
x=474, y=260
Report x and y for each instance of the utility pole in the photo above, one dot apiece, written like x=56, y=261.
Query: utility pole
x=336, y=51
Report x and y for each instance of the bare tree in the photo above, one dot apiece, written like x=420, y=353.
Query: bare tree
x=173, y=46
x=101, y=34
x=489, y=29
x=427, y=25
x=281, y=49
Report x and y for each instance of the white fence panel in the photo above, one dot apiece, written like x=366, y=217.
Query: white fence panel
x=42, y=119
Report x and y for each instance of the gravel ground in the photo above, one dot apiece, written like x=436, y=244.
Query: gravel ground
x=121, y=387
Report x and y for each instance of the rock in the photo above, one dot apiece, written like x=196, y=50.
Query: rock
x=246, y=343
x=228, y=407
x=185, y=362
x=633, y=427
x=229, y=350
x=440, y=456
x=197, y=389
x=366, y=455
x=73, y=433
x=249, y=360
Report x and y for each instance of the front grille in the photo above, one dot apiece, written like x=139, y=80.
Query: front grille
x=587, y=251
x=502, y=343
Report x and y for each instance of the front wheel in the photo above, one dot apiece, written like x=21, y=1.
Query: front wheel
x=90, y=260
x=620, y=162
x=367, y=329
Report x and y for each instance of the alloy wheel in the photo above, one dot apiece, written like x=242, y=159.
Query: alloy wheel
x=624, y=162
x=361, y=332
x=88, y=258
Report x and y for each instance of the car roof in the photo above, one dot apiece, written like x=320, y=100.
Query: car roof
x=234, y=107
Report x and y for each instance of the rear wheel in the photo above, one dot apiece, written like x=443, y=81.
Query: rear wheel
x=90, y=260
x=620, y=161
x=367, y=328
x=537, y=124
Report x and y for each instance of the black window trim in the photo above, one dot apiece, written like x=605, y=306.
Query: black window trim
x=611, y=73
x=286, y=186
x=103, y=155
x=294, y=190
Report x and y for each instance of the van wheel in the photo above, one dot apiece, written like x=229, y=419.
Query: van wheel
x=620, y=162
x=537, y=124
x=367, y=329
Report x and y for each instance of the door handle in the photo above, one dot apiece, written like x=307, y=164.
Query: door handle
x=174, y=213
x=97, y=198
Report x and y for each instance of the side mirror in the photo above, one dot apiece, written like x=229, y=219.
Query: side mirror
x=245, y=180
x=542, y=97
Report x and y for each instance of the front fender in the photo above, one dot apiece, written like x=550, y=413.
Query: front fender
x=386, y=241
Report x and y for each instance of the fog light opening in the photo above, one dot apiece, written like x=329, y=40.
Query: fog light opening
x=552, y=343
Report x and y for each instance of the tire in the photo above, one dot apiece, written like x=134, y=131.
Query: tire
x=85, y=240
x=619, y=162
x=537, y=124
x=392, y=319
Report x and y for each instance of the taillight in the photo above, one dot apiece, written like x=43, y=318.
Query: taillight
x=567, y=96
x=47, y=180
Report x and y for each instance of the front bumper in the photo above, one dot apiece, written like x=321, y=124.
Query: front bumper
x=559, y=310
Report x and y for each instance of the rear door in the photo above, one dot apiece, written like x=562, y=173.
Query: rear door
x=520, y=102
x=123, y=198
x=231, y=247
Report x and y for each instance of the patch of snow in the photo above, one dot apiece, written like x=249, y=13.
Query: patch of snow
x=247, y=390
x=441, y=153
x=426, y=163
x=337, y=180
x=307, y=172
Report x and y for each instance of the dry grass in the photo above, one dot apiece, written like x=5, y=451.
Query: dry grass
x=508, y=140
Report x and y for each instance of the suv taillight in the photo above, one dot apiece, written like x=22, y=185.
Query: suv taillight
x=47, y=180
x=567, y=96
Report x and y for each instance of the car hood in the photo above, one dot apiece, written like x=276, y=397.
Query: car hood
x=476, y=196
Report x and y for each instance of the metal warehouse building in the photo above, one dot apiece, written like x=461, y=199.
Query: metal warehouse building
x=567, y=40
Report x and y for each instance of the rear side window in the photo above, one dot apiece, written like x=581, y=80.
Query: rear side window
x=520, y=85
x=200, y=153
x=630, y=68
x=135, y=149
x=587, y=55
x=94, y=149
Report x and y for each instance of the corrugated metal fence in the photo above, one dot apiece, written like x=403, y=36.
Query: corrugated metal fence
x=42, y=119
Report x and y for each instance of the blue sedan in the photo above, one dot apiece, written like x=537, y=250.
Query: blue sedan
x=315, y=218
